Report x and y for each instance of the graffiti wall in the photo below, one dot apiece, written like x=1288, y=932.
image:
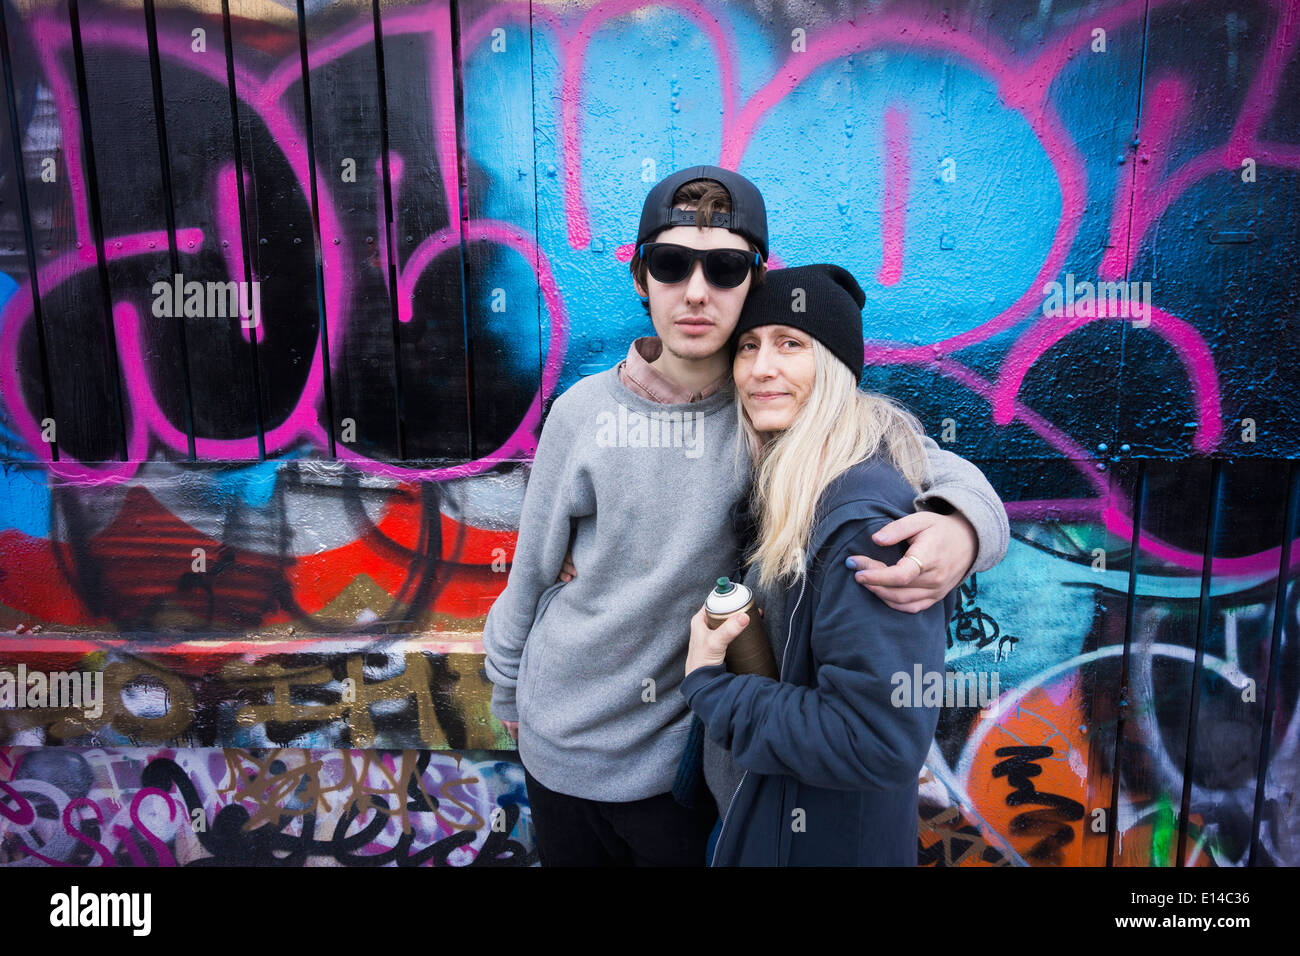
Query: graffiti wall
x=286, y=290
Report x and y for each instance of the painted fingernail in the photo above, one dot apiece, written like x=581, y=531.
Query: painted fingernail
x=850, y=564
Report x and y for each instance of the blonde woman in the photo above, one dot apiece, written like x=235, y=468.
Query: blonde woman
x=827, y=766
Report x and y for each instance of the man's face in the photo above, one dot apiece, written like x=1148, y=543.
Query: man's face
x=692, y=318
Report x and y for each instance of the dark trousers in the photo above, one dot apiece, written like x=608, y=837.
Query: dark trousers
x=656, y=831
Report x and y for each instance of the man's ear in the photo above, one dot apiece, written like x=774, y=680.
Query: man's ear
x=636, y=284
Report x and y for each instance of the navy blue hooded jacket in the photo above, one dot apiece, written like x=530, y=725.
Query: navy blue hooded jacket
x=831, y=765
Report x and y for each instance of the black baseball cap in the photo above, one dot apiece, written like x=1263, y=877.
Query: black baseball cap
x=748, y=216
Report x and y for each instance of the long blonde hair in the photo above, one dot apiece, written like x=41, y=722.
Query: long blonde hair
x=837, y=427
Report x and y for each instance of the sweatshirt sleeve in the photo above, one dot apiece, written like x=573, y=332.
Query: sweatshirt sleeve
x=954, y=484
x=843, y=733
x=557, y=492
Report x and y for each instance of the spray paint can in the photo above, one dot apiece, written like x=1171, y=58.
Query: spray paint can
x=749, y=653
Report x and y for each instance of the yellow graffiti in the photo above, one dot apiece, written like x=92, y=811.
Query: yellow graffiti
x=271, y=781
x=413, y=682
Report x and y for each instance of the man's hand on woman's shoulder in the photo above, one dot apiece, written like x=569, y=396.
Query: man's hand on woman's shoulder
x=939, y=557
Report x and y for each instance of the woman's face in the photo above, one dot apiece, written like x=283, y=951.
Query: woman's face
x=774, y=372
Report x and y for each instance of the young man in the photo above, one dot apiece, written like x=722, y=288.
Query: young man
x=635, y=477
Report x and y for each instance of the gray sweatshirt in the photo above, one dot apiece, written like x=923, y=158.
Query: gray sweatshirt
x=641, y=492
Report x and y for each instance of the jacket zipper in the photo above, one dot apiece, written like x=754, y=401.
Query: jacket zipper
x=785, y=650
x=789, y=631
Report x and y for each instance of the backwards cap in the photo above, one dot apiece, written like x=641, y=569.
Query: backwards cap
x=748, y=216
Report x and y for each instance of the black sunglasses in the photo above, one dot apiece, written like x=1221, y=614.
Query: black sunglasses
x=724, y=268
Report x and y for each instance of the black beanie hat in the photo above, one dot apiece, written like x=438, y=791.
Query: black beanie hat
x=829, y=308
